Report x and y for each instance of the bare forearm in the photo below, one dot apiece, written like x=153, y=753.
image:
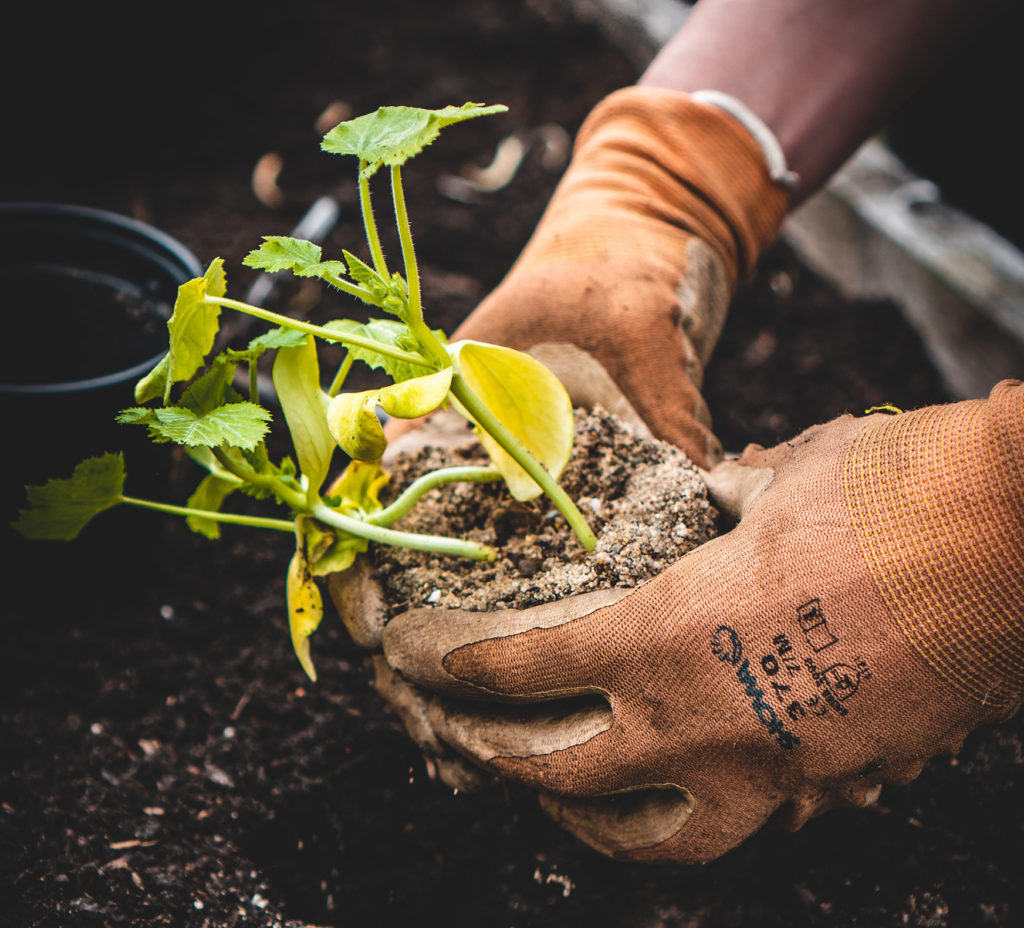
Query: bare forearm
x=823, y=74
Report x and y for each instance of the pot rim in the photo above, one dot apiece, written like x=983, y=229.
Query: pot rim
x=95, y=221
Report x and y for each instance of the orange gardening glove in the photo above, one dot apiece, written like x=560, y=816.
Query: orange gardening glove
x=866, y=613
x=666, y=203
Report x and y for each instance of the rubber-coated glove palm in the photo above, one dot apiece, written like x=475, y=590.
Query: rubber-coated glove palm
x=865, y=614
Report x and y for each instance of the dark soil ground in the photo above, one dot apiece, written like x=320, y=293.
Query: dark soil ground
x=166, y=760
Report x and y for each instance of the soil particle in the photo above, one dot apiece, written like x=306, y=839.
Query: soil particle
x=644, y=499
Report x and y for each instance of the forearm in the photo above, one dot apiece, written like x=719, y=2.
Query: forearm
x=822, y=74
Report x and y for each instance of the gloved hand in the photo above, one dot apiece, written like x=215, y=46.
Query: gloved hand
x=865, y=614
x=666, y=203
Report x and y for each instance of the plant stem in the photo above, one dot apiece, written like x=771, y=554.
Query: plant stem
x=293, y=498
x=281, y=525
x=491, y=424
x=422, y=485
x=414, y=319
x=434, y=543
x=339, y=378
x=254, y=383
x=326, y=334
x=370, y=224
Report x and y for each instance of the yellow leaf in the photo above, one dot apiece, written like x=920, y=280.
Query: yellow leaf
x=305, y=609
x=530, y=402
x=352, y=417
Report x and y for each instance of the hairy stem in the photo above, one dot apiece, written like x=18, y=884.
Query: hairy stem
x=414, y=317
x=370, y=224
x=356, y=341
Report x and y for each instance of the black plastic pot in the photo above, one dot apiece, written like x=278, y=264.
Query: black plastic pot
x=86, y=298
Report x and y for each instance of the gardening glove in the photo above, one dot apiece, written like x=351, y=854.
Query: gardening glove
x=863, y=616
x=666, y=203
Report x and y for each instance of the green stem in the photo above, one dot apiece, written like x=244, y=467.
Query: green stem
x=290, y=497
x=254, y=383
x=370, y=224
x=493, y=426
x=281, y=525
x=391, y=514
x=326, y=334
x=414, y=319
x=339, y=378
x=434, y=543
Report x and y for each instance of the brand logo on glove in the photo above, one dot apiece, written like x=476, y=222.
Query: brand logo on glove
x=727, y=646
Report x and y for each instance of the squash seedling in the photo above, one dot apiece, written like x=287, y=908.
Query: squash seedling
x=519, y=409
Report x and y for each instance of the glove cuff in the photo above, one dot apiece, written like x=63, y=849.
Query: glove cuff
x=702, y=164
x=936, y=497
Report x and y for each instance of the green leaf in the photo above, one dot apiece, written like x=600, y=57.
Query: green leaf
x=283, y=253
x=193, y=328
x=305, y=609
x=297, y=383
x=352, y=417
x=154, y=384
x=237, y=425
x=358, y=487
x=281, y=337
x=209, y=495
x=62, y=507
x=394, y=134
x=211, y=390
x=530, y=402
x=386, y=332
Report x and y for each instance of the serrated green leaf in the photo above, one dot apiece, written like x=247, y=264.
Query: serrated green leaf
x=297, y=383
x=361, y=272
x=209, y=495
x=62, y=507
x=305, y=609
x=386, y=332
x=193, y=327
x=136, y=415
x=530, y=402
x=394, y=134
x=352, y=417
x=281, y=337
x=237, y=425
x=212, y=389
x=283, y=253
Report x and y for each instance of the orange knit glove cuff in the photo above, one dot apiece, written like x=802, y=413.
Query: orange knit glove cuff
x=668, y=158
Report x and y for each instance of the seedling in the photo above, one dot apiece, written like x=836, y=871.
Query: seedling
x=519, y=409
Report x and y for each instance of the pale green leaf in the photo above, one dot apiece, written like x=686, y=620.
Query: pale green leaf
x=297, y=383
x=193, y=328
x=212, y=389
x=237, y=425
x=352, y=417
x=281, y=337
x=528, y=400
x=209, y=495
x=394, y=134
x=386, y=332
x=283, y=253
x=357, y=488
x=62, y=507
x=305, y=609
x=154, y=384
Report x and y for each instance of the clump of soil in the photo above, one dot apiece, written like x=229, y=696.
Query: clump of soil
x=644, y=499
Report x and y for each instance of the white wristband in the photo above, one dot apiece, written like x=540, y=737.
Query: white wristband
x=761, y=134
